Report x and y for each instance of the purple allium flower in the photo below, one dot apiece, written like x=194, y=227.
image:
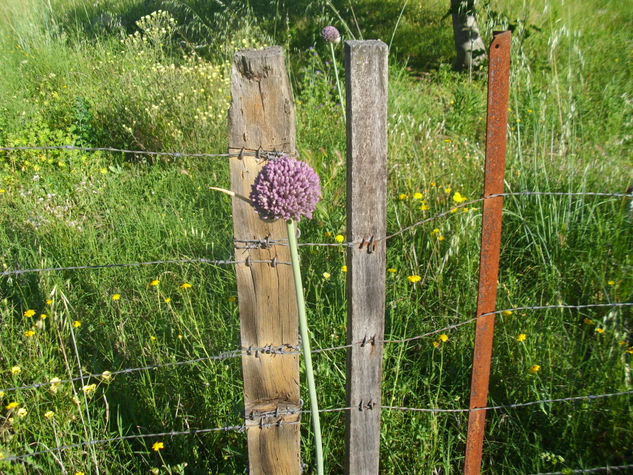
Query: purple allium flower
x=285, y=188
x=330, y=34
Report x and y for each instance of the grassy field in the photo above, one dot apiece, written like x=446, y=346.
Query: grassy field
x=154, y=75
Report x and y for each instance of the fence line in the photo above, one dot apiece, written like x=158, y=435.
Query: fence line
x=263, y=154
x=295, y=349
x=515, y=193
x=608, y=468
x=515, y=309
x=261, y=424
x=272, y=262
x=266, y=243
x=589, y=397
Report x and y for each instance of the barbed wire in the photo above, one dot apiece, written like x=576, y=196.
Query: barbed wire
x=514, y=309
x=243, y=153
x=280, y=421
x=61, y=448
x=608, y=468
x=239, y=428
x=296, y=349
x=496, y=195
x=267, y=242
x=256, y=351
x=138, y=264
x=588, y=397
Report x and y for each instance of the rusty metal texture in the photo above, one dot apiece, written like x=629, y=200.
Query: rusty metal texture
x=498, y=86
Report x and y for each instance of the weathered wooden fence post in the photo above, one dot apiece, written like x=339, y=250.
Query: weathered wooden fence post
x=366, y=71
x=262, y=118
x=496, y=129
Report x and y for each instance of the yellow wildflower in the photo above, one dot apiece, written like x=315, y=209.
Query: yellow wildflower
x=402, y=196
x=447, y=189
x=440, y=237
x=89, y=388
x=185, y=285
x=611, y=282
x=106, y=375
x=16, y=370
x=76, y=324
x=232, y=299
x=435, y=231
x=29, y=313
x=22, y=412
x=436, y=344
x=588, y=321
x=443, y=337
x=43, y=316
x=116, y=296
x=414, y=278
x=154, y=283
x=29, y=333
x=11, y=405
x=506, y=313
x=534, y=369
x=344, y=268
x=158, y=446
x=54, y=383
x=417, y=195
x=49, y=414
x=326, y=275
x=599, y=330
x=391, y=270
x=339, y=238
x=458, y=198
x=424, y=207
x=521, y=337
x=49, y=301
x=167, y=299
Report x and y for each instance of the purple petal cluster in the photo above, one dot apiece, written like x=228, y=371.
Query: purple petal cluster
x=330, y=34
x=285, y=189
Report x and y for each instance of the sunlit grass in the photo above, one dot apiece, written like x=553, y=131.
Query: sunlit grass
x=73, y=75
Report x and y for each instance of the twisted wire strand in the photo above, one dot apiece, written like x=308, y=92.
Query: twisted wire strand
x=514, y=309
x=286, y=349
x=607, y=468
x=295, y=349
x=238, y=428
x=265, y=243
x=138, y=264
x=244, y=153
x=589, y=397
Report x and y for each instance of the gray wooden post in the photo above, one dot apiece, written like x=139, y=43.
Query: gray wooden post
x=262, y=117
x=366, y=84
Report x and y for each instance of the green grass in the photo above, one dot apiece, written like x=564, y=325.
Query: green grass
x=74, y=72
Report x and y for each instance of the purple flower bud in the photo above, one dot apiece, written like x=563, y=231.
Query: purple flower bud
x=330, y=34
x=285, y=188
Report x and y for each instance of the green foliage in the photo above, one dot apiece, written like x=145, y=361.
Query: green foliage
x=155, y=76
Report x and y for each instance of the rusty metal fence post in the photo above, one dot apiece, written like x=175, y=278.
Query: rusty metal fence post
x=498, y=86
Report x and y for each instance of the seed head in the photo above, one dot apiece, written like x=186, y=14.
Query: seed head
x=331, y=34
x=285, y=189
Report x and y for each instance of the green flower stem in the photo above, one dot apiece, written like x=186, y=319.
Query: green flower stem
x=338, y=84
x=305, y=344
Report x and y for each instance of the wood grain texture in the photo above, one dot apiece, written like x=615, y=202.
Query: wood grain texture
x=262, y=117
x=366, y=83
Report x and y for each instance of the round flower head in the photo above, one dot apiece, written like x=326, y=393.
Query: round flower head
x=285, y=188
x=330, y=34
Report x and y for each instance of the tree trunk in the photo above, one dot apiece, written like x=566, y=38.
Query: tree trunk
x=468, y=43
